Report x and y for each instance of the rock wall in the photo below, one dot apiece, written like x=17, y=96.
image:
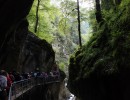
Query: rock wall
x=12, y=15
x=35, y=53
x=12, y=12
x=100, y=70
x=42, y=92
x=21, y=50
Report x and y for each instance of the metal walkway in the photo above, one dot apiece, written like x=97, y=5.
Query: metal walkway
x=18, y=88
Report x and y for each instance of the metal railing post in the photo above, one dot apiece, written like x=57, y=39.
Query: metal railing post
x=14, y=91
x=10, y=93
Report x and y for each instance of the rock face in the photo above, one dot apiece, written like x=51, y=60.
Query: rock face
x=20, y=49
x=11, y=15
x=12, y=18
x=101, y=69
x=35, y=53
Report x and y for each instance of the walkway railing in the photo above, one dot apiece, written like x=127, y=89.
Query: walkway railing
x=18, y=88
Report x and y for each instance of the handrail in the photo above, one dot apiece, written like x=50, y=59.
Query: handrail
x=20, y=87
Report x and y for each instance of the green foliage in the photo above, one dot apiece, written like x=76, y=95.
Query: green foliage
x=62, y=66
x=107, y=5
x=46, y=15
x=68, y=14
x=58, y=25
x=64, y=26
x=86, y=37
x=48, y=37
x=107, y=51
x=104, y=60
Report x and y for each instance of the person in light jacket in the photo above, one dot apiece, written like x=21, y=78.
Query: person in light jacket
x=3, y=85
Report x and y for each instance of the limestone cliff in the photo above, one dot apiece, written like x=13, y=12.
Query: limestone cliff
x=20, y=49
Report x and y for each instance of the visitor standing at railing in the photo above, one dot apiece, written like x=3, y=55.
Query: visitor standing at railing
x=11, y=76
x=17, y=76
x=3, y=85
x=9, y=82
x=55, y=71
x=44, y=76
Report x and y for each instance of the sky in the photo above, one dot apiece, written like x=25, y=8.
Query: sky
x=88, y=4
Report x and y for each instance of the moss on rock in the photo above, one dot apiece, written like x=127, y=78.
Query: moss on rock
x=100, y=70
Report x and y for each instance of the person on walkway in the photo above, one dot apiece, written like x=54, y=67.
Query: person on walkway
x=11, y=76
x=9, y=82
x=55, y=71
x=3, y=85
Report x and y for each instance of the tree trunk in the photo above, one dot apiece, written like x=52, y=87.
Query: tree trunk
x=98, y=11
x=79, y=30
x=37, y=18
x=117, y=2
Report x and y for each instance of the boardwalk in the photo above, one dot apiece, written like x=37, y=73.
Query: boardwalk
x=20, y=87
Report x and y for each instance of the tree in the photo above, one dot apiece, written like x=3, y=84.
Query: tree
x=40, y=19
x=79, y=30
x=37, y=8
x=58, y=25
x=109, y=4
x=98, y=11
